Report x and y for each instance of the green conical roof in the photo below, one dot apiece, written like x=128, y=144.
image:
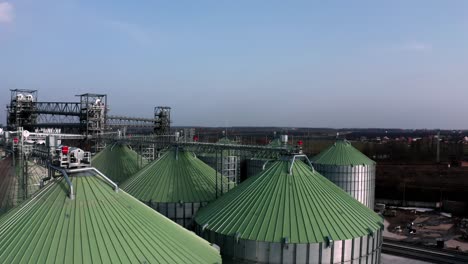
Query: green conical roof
x=303, y=206
x=226, y=140
x=117, y=161
x=176, y=176
x=342, y=153
x=99, y=225
x=275, y=143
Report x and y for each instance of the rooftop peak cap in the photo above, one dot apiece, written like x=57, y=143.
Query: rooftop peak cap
x=226, y=141
x=342, y=141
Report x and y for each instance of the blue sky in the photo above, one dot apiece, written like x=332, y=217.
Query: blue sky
x=399, y=64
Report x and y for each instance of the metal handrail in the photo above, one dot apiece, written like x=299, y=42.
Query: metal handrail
x=300, y=156
x=65, y=172
x=44, y=135
x=67, y=179
x=113, y=184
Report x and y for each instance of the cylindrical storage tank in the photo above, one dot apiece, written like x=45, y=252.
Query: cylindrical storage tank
x=284, y=139
x=29, y=98
x=348, y=168
x=177, y=185
x=19, y=97
x=291, y=214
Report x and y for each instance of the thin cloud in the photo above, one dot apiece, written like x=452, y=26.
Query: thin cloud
x=133, y=31
x=6, y=12
x=416, y=47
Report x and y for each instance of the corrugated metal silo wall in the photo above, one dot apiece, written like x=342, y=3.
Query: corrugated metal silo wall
x=357, y=180
x=181, y=213
x=366, y=249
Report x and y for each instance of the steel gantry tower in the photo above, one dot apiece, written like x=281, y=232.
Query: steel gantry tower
x=162, y=120
x=89, y=116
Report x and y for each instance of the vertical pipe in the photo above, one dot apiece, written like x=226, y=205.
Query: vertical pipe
x=216, y=175
x=21, y=159
x=438, y=147
x=140, y=157
x=222, y=172
x=25, y=174
x=404, y=192
x=105, y=113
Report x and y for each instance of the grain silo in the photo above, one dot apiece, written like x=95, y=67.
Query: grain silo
x=291, y=214
x=85, y=218
x=348, y=168
x=177, y=185
x=118, y=161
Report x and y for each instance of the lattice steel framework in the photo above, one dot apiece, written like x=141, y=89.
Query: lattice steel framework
x=162, y=120
x=21, y=112
x=89, y=116
x=125, y=121
x=58, y=108
x=93, y=109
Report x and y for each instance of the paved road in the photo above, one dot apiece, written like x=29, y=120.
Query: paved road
x=390, y=259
